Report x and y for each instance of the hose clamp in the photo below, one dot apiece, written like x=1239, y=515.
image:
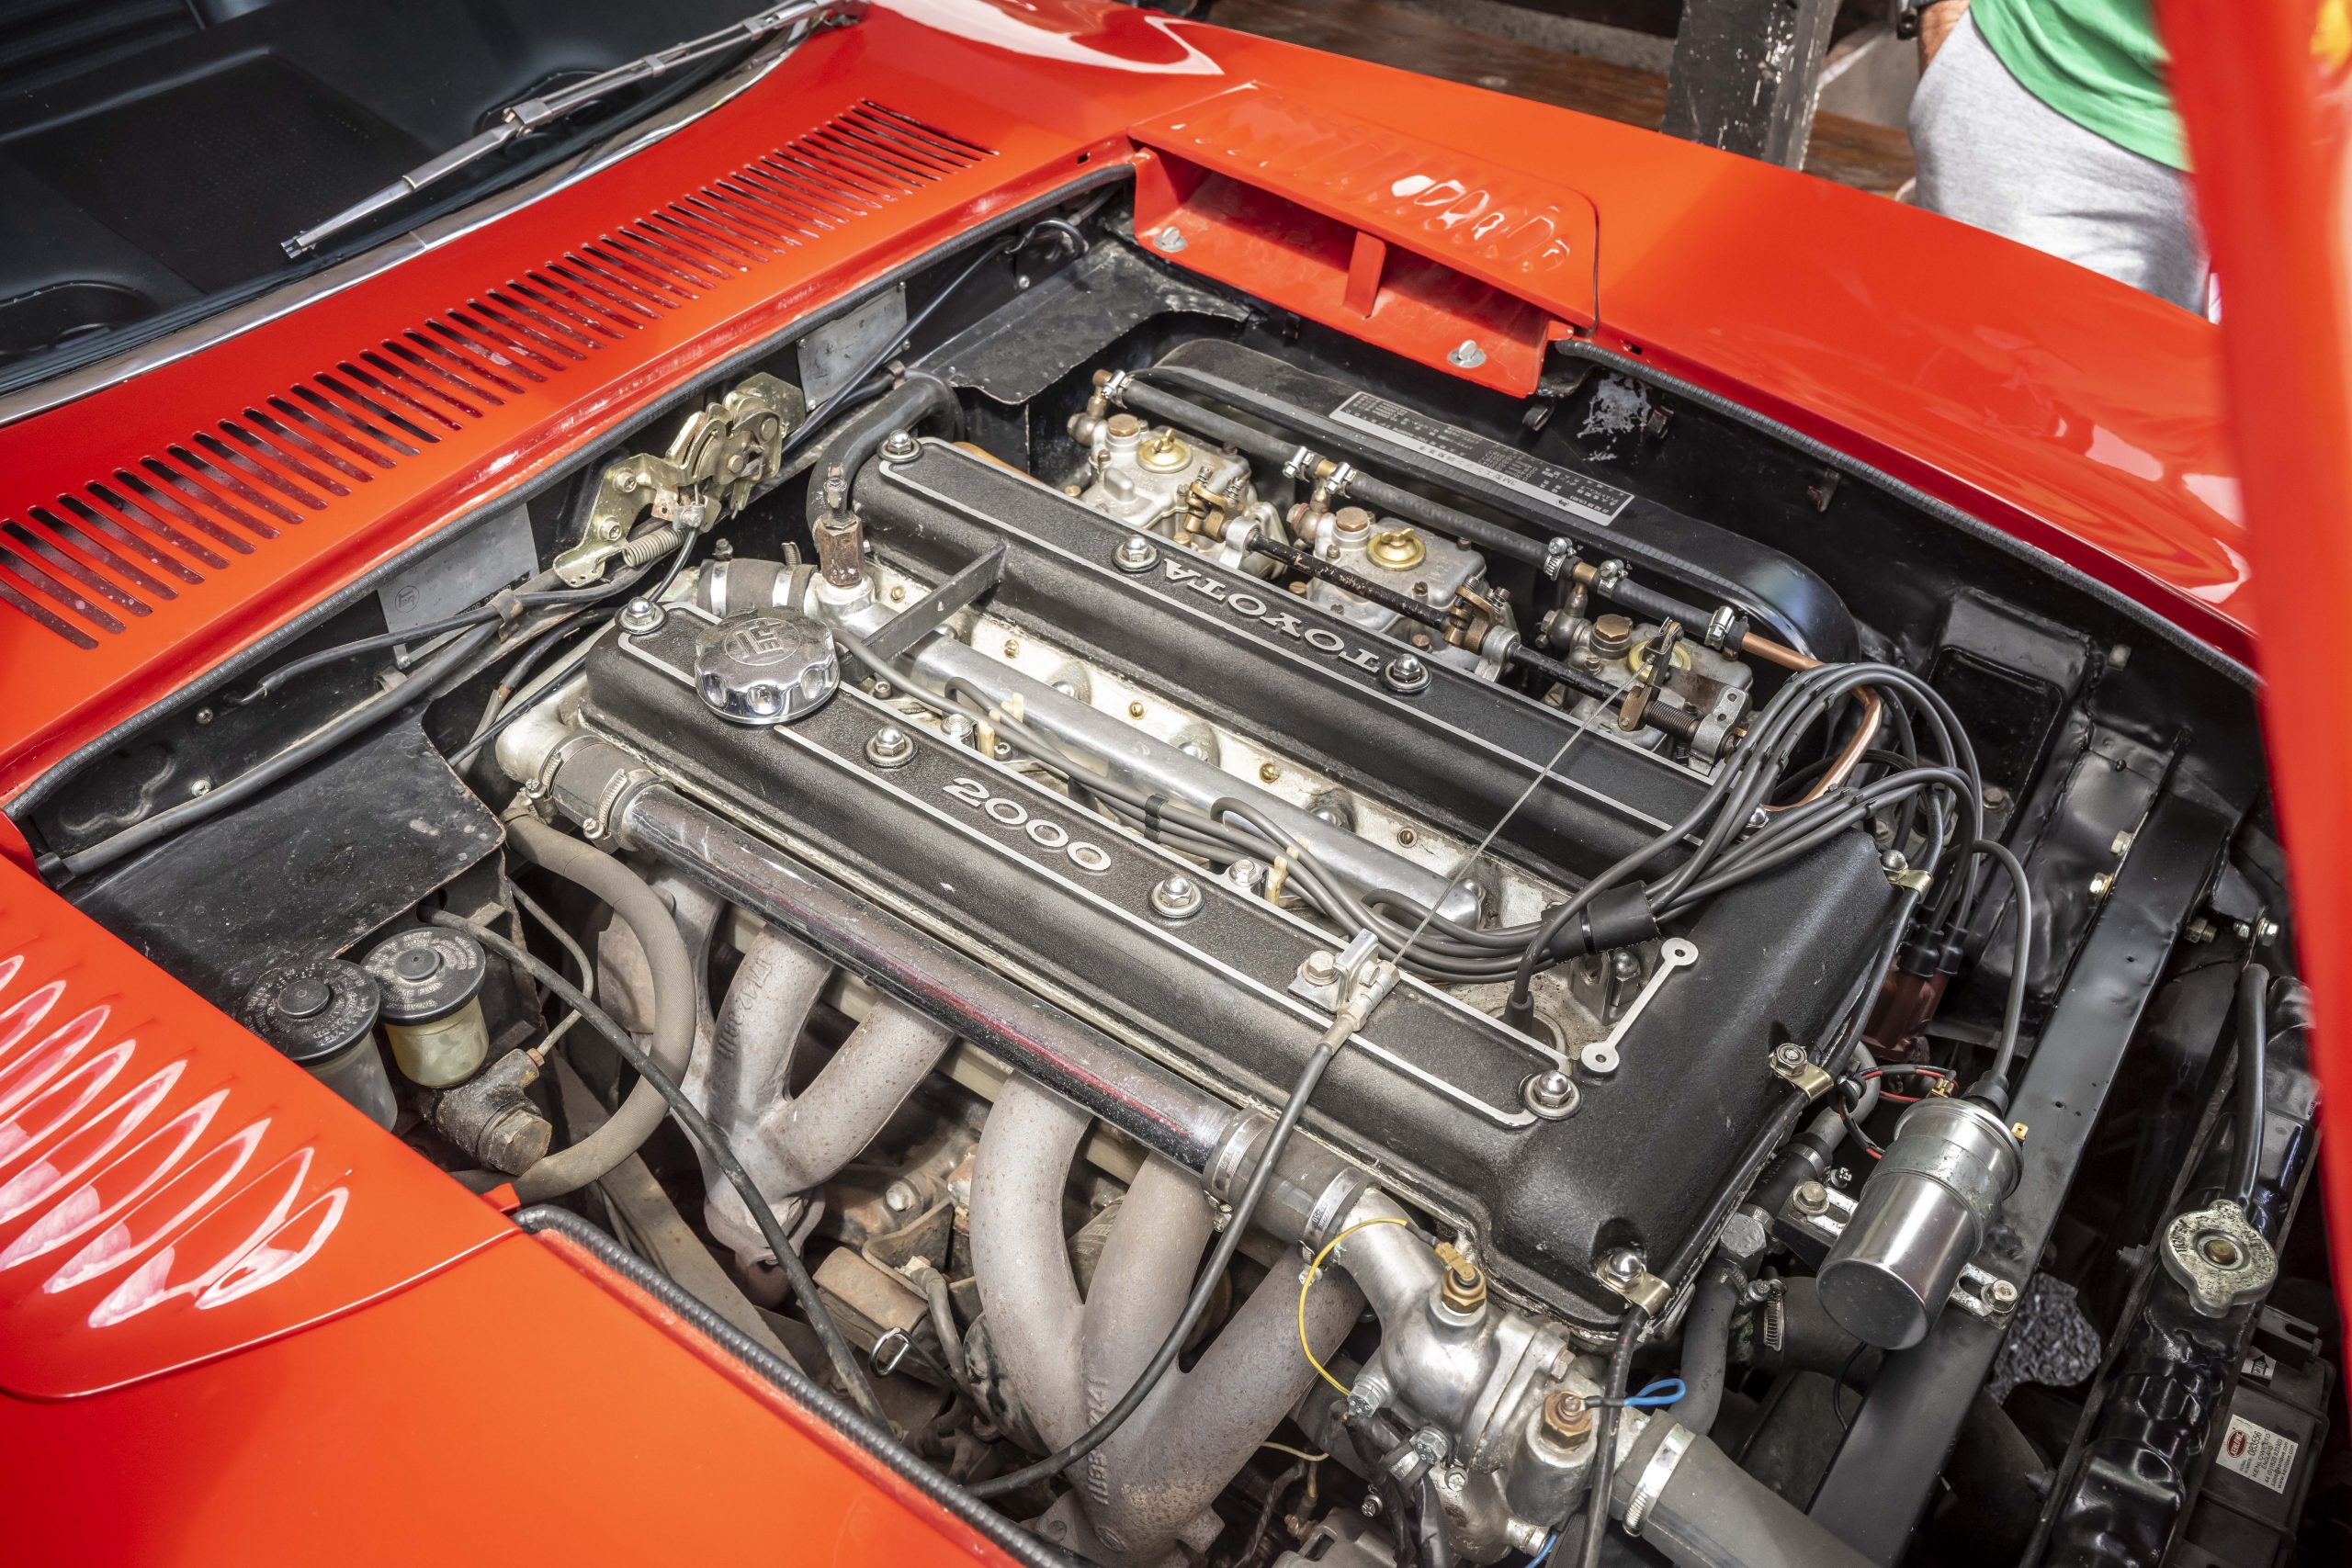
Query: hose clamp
x=1301, y=464
x=1656, y=1474
x=1336, y=483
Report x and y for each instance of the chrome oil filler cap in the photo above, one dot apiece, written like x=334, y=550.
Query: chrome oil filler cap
x=766, y=666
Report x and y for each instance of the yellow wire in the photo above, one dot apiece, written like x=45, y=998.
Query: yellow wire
x=1294, y=1453
x=1308, y=1283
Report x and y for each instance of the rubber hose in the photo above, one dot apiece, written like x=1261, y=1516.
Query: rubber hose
x=1712, y=1514
x=916, y=398
x=2254, y=1031
x=671, y=971
x=1706, y=1346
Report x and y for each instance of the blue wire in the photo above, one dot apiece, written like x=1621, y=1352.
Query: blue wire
x=1666, y=1390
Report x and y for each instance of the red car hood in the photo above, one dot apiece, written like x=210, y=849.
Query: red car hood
x=2075, y=413
x=2266, y=89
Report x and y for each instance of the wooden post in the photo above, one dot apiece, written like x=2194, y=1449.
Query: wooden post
x=1747, y=73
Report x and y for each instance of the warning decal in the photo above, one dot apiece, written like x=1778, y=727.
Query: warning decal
x=2262, y=1456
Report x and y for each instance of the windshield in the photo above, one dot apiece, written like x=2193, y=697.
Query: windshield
x=151, y=171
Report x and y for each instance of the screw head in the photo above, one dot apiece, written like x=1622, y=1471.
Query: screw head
x=1553, y=1095
x=1996, y=797
x=898, y=1198
x=641, y=615
x=1810, y=1198
x=1406, y=674
x=1624, y=1264
x=1268, y=772
x=899, y=446
x=1177, y=897
x=891, y=747
x=1171, y=239
x=2001, y=1295
x=1468, y=354
x=1320, y=967
x=2102, y=884
x=1136, y=553
x=958, y=728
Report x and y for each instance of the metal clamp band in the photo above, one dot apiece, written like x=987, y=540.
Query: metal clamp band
x=1656, y=1474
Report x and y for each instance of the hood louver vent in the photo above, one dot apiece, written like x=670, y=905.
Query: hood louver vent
x=94, y=560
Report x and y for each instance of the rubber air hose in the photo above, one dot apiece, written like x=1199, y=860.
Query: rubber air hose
x=673, y=972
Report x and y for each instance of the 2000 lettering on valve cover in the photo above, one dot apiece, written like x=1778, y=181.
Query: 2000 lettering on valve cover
x=988, y=781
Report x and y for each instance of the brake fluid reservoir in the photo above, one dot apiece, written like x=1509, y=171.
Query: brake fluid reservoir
x=431, y=980
x=322, y=1018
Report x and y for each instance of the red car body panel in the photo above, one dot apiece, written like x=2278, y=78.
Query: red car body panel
x=2267, y=92
x=286, y=463
x=514, y=1408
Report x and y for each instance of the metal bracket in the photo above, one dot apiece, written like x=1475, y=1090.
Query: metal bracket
x=1979, y=1292
x=890, y=1349
x=1790, y=1061
x=721, y=457
x=903, y=630
x=1644, y=1290
x=1600, y=1056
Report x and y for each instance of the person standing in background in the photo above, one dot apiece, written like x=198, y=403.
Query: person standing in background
x=2050, y=121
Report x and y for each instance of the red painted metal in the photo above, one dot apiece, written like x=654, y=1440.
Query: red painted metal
x=2266, y=89
x=523, y=1406
x=2078, y=413
x=2082, y=416
x=2040, y=398
x=1429, y=251
x=172, y=1189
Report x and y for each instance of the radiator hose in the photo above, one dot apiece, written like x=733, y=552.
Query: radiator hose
x=1706, y=1512
x=671, y=970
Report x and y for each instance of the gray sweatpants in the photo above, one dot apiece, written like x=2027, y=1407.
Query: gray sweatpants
x=1992, y=154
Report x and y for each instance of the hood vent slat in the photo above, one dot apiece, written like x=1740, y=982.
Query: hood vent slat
x=86, y=564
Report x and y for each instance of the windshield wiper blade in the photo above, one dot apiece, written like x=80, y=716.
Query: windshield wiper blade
x=531, y=115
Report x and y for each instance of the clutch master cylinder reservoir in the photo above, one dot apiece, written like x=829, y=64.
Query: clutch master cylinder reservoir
x=1921, y=1217
x=431, y=980
x=322, y=1017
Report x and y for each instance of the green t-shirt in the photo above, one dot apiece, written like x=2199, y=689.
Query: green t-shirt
x=2096, y=62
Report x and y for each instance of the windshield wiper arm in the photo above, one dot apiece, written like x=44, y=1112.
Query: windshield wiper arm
x=528, y=118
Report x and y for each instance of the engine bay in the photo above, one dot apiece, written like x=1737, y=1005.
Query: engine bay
x=1379, y=973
